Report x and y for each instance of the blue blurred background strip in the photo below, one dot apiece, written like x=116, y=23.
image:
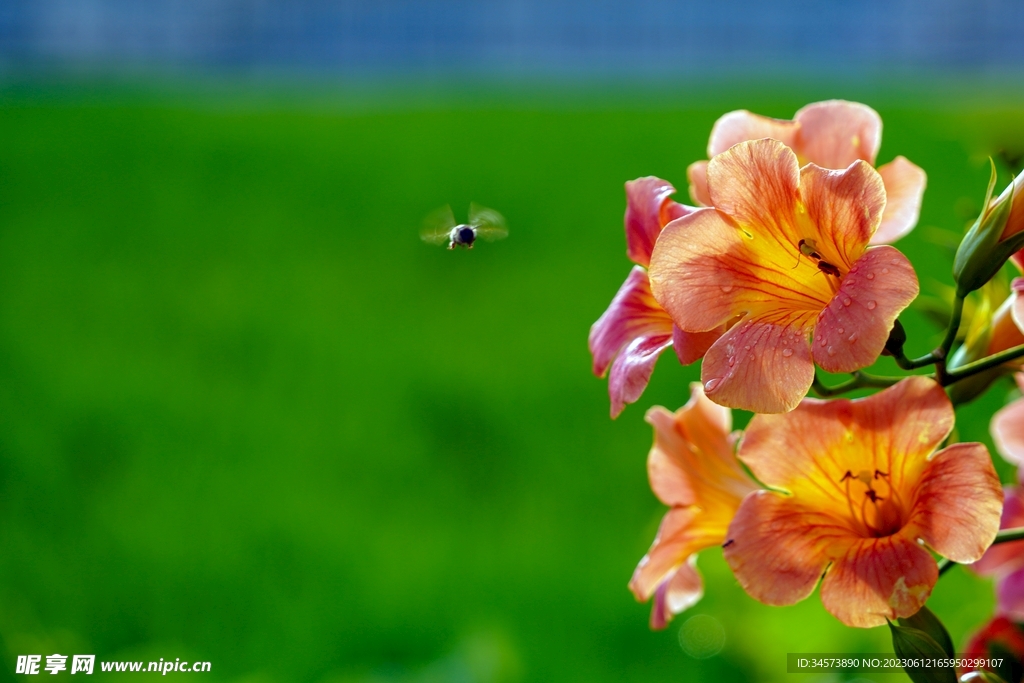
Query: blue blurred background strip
x=519, y=37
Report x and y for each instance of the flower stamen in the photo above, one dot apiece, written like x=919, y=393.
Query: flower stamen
x=886, y=517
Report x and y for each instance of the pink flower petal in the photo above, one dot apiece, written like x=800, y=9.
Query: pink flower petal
x=648, y=209
x=879, y=578
x=679, y=591
x=1008, y=432
x=1010, y=595
x=760, y=367
x=778, y=550
x=691, y=346
x=740, y=126
x=958, y=502
x=852, y=330
x=904, y=189
x=1004, y=558
x=836, y=133
x=632, y=370
x=632, y=314
x=633, y=332
x=697, y=174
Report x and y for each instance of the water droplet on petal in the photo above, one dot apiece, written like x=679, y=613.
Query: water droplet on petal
x=870, y=276
x=732, y=361
x=895, y=262
x=841, y=330
x=847, y=301
x=885, y=271
x=823, y=341
x=726, y=289
x=710, y=385
x=871, y=305
x=849, y=282
x=787, y=352
x=831, y=351
x=746, y=347
x=853, y=338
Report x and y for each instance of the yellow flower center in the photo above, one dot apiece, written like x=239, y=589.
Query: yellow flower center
x=875, y=506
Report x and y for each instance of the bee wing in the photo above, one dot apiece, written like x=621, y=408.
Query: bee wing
x=489, y=224
x=437, y=226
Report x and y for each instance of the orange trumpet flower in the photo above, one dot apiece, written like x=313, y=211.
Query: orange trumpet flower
x=859, y=496
x=693, y=469
x=785, y=252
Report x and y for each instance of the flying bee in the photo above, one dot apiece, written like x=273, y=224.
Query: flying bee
x=810, y=249
x=440, y=227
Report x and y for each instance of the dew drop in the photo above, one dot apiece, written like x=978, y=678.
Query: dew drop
x=726, y=289
x=871, y=305
x=787, y=352
x=885, y=271
x=831, y=351
x=710, y=385
x=823, y=341
x=853, y=338
x=870, y=276
x=746, y=347
x=841, y=330
x=847, y=301
x=849, y=282
x=732, y=361
x=895, y=262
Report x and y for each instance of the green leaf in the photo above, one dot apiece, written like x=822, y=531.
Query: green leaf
x=925, y=620
x=912, y=643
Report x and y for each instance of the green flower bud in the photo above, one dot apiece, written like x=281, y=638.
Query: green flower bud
x=994, y=237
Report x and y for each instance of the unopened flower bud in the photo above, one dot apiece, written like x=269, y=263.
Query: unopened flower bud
x=994, y=237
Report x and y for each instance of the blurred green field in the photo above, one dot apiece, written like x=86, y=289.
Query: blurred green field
x=247, y=417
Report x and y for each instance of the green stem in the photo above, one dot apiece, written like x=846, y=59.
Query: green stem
x=939, y=355
x=1004, y=536
x=954, y=327
x=984, y=364
x=914, y=364
x=859, y=380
